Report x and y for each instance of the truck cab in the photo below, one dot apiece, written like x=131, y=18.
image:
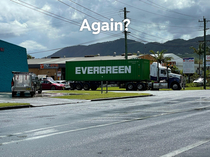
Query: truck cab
x=166, y=77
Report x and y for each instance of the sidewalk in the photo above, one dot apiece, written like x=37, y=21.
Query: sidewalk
x=44, y=99
x=38, y=101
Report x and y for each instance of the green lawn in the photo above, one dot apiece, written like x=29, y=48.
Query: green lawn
x=188, y=88
x=90, y=95
x=12, y=104
x=123, y=89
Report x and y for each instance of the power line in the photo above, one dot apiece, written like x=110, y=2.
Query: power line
x=149, y=11
x=178, y=26
x=115, y=35
x=87, y=9
x=47, y=13
x=146, y=33
x=78, y=10
x=157, y=43
x=82, y=12
x=159, y=6
x=58, y=17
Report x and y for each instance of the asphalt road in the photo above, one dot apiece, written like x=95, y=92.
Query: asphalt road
x=171, y=123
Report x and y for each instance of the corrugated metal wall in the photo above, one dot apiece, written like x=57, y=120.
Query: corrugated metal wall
x=12, y=58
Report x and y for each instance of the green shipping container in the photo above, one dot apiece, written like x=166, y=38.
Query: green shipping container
x=108, y=70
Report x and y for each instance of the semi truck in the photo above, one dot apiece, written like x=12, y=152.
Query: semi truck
x=133, y=74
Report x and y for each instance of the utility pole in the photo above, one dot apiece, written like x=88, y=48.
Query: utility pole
x=204, y=21
x=125, y=32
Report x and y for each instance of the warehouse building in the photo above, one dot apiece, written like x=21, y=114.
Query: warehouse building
x=13, y=58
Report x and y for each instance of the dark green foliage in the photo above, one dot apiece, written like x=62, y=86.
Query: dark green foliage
x=178, y=46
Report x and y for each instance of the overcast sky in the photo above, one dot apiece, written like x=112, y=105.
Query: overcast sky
x=44, y=26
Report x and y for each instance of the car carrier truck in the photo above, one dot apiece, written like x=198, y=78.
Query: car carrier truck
x=133, y=74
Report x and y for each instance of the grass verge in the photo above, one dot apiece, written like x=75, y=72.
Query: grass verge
x=91, y=95
x=12, y=104
x=123, y=89
x=188, y=88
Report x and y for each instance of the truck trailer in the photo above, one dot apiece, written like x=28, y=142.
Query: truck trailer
x=133, y=74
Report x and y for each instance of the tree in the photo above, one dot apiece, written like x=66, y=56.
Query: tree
x=199, y=52
x=175, y=70
x=159, y=58
x=29, y=56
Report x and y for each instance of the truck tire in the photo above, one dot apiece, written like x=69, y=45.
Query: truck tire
x=86, y=86
x=78, y=86
x=40, y=90
x=72, y=87
x=175, y=86
x=34, y=92
x=130, y=86
x=13, y=94
x=140, y=86
x=21, y=94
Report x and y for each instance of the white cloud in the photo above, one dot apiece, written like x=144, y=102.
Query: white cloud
x=38, y=31
x=186, y=37
x=179, y=4
x=32, y=45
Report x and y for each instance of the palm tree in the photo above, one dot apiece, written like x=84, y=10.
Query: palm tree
x=199, y=52
x=159, y=58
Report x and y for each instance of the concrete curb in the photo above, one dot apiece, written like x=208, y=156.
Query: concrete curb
x=121, y=97
x=15, y=107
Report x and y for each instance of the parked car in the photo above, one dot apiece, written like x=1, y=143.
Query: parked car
x=199, y=81
x=50, y=84
x=66, y=83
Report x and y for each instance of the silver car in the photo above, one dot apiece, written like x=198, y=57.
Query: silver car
x=67, y=86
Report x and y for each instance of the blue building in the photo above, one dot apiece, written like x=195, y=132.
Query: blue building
x=12, y=58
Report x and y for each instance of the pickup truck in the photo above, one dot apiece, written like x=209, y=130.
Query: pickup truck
x=25, y=82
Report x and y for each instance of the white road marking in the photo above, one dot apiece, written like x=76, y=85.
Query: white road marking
x=44, y=132
x=19, y=133
x=80, y=129
x=98, y=126
x=184, y=149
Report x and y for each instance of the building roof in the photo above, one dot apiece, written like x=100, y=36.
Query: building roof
x=175, y=58
x=63, y=60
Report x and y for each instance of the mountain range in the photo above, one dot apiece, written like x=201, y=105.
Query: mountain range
x=179, y=47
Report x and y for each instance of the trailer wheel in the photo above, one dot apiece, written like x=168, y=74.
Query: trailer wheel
x=78, y=86
x=140, y=86
x=130, y=86
x=72, y=87
x=86, y=86
x=13, y=94
x=175, y=86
